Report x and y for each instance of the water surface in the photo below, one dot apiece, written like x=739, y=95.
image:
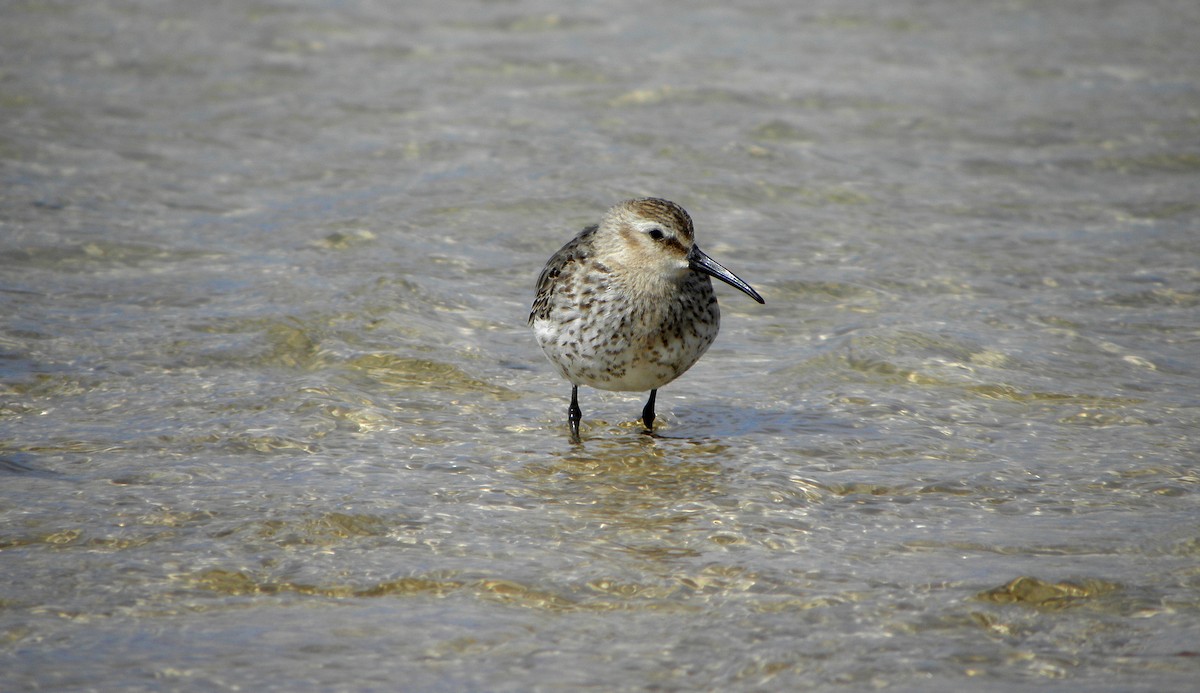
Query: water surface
x=270, y=417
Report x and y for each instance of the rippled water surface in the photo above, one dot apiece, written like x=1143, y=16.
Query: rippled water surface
x=270, y=416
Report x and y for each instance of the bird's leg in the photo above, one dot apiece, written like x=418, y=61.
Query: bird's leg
x=574, y=415
x=648, y=411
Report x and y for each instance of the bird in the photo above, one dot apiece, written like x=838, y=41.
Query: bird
x=627, y=305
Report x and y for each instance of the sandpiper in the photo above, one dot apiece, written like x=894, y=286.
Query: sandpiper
x=627, y=305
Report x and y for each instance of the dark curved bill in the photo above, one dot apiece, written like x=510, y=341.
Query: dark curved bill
x=704, y=264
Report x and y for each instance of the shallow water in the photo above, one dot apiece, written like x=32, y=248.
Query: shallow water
x=271, y=417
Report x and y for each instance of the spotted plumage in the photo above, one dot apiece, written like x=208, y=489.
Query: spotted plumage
x=627, y=304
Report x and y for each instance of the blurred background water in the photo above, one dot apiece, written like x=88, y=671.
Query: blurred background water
x=270, y=417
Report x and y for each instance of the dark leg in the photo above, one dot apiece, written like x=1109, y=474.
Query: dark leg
x=648, y=412
x=573, y=414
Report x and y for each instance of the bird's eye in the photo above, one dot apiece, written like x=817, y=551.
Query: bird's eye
x=656, y=234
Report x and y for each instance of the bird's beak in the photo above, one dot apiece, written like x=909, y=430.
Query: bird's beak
x=704, y=264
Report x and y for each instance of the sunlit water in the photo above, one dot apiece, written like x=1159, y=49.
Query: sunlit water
x=271, y=417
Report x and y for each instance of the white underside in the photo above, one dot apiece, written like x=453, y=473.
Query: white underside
x=640, y=373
